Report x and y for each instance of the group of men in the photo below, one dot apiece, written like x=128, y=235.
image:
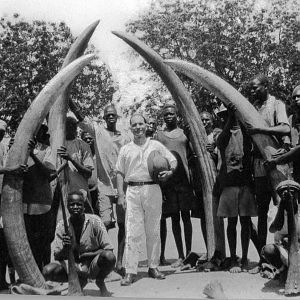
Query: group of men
x=109, y=182
x=242, y=186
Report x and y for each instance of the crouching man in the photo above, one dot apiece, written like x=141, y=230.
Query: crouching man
x=277, y=254
x=91, y=245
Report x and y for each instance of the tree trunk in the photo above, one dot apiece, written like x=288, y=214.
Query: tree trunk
x=11, y=206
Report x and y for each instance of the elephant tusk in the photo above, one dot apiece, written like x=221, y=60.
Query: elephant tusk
x=191, y=115
x=11, y=206
x=246, y=112
x=57, y=116
x=57, y=130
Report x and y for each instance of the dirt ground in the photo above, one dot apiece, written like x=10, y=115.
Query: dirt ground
x=189, y=284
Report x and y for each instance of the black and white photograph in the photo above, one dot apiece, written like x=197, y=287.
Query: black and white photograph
x=150, y=149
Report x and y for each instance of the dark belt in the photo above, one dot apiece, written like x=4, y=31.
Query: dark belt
x=139, y=183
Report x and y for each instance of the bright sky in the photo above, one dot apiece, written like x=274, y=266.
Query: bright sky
x=78, y=14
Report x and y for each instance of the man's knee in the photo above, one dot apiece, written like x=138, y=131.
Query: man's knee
x=55, y=272
x=107, y=257
x=105, y=264
x=268, y=251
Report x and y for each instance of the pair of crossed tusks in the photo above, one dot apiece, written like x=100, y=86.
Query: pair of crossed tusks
x=12, y=187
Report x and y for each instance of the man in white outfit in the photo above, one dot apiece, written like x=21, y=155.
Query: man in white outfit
x=143, y=201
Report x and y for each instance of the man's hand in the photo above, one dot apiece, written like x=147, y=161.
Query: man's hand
x=62, y=151
x=163, y=176
x=253, y=130
x=17, y=170
x=270, y=163
x=210, y=147
x=278, y=153
x=31, y=145
x=231, y=108
x=121, y=201
x=66, y=240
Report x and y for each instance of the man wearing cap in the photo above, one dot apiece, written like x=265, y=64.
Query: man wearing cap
x=273, y=111
x=277, y=254
x=91, y=246
x=108, y=143
x=143, y=199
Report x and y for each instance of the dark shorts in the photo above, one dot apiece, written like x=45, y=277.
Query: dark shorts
x=237, y=201
x=177, y=199
x=39, y=229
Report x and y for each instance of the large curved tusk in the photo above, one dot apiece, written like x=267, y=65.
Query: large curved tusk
x=57, y=116
x=245, y=110
x=57, y=130
x=11, y=206
x=78, y=47
x=188, y=108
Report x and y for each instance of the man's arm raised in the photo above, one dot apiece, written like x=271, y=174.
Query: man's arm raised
x=84, y=123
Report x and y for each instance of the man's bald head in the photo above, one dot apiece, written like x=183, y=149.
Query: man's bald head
x=137, y=115
x=110, y=109
x=110, y=117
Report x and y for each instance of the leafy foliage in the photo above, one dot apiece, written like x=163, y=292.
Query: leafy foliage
x=31, y=54
x=234, y=39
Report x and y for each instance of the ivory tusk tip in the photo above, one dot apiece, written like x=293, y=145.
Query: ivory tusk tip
x=119, y=34
x=123, y=35
x=93, y=25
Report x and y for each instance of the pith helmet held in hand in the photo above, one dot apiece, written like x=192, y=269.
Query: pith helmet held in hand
x=156, y=163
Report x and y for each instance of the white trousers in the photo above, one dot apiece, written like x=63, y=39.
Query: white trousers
x=143, y=215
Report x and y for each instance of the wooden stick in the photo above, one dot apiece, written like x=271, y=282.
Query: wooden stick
x=74, y=288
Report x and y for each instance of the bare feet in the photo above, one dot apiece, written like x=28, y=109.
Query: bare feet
x=255, y=270
x=178, y=263
x=102, y=287
x=235, y=266
x=244, y=265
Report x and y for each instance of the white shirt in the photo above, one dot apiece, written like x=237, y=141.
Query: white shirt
x=132, y=159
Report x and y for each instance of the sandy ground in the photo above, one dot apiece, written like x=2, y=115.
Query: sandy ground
x=190, y=284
